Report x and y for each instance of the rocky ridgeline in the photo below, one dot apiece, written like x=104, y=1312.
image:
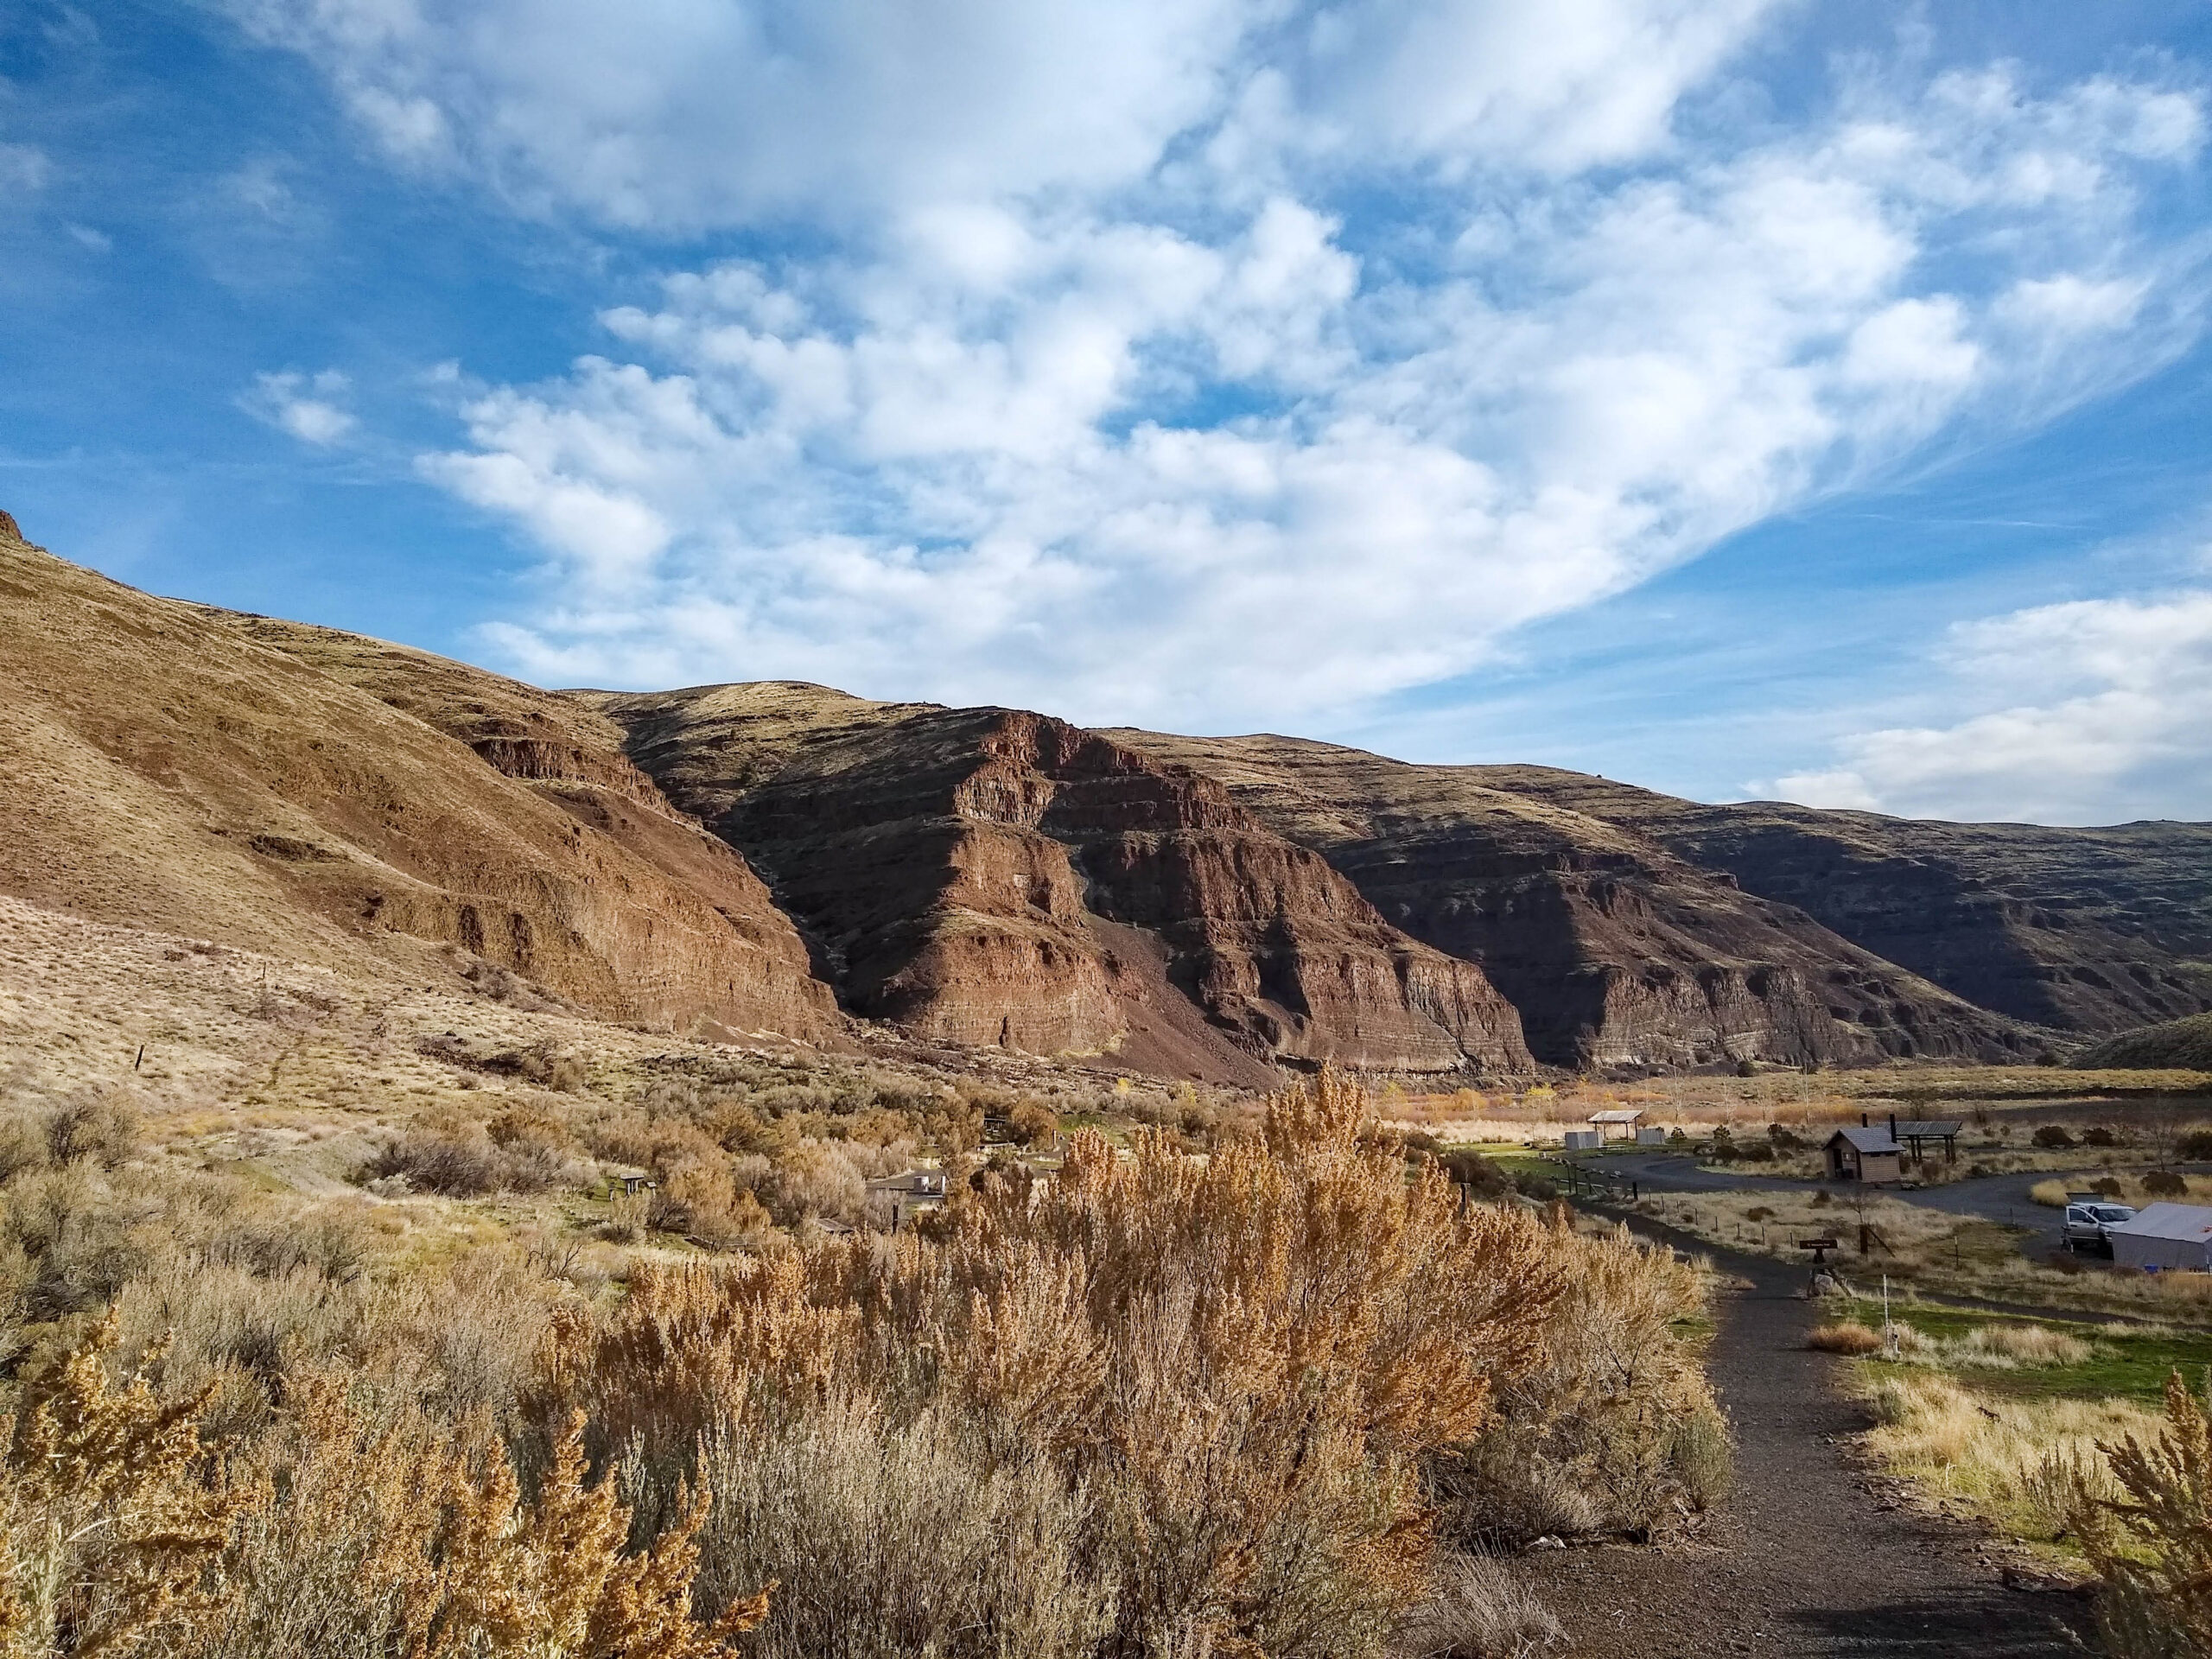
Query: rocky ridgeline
x=753, y=857
x=1616, y=951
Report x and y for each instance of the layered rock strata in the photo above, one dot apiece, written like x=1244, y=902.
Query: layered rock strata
x=1615, y=951
x=993, y=876
x=175, y=767
x=2083, y=929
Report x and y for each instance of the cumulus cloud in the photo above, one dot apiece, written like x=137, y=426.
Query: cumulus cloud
x=1223, y=360
x=667, y=113
x=311, y=408
x=2091, y=709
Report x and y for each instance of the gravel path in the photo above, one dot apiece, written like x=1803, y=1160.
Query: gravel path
x=1808, y=1557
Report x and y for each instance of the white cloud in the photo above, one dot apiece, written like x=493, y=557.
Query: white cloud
x=669, y=113
x=1222, y=360
x=2091, y=710
x=309, y=407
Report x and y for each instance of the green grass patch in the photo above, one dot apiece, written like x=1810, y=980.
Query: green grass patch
x=2126, y=1362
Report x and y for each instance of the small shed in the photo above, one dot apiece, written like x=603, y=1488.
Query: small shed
x=1624, y=1119
x=1864, y=1154
x=910, y=1193
x=1651, y=1136
x=1583, y=1140
x=2164, y=1235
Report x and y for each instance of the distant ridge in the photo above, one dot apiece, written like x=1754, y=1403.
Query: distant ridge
x=781, y=858
x=2173, y=1044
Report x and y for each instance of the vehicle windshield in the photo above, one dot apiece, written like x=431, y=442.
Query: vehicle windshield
x=2114, y=1212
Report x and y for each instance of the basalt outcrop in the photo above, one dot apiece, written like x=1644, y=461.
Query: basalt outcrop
x=1615, y=950
x=335, y=800
x=994, y=876
x=2091, y=930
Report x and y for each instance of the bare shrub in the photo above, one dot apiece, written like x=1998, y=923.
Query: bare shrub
x=105, y=1527
x=369, y=1531
x=521, y=1150
x=103, y=1126
x=444, y=1154
x=1589, y=1439
x=887, y=1539
x=816, y=1178
x=1034, y=1123
x=1244, y=1362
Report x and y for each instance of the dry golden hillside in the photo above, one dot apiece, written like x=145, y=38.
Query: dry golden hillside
x=172, y=770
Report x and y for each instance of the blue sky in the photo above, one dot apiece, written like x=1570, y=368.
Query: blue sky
x=1736, y=396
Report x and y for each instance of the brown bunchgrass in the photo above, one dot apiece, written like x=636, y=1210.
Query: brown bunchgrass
x=1844, y=1337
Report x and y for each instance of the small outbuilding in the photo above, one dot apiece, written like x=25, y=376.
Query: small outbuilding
x=915, y=1191
x=1583, y=1140
x=1623, y=1118
x=2166, y=1236
x=1864, y=1154
x=1651, y=1136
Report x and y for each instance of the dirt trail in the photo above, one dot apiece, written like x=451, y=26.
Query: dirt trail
x=1802, y=1559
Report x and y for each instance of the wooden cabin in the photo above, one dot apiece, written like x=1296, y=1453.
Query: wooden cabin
x=1864, y=1154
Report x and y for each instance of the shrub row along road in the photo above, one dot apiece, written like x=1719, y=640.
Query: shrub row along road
x=1803, y=1559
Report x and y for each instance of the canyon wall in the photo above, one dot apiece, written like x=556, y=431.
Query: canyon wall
x=1616, y=951
x=991, y=876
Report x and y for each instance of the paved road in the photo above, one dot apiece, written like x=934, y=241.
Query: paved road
x=2002, y=1198
x=1804, y=1560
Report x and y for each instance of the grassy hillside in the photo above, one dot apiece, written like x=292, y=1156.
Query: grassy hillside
x=2185, y=1044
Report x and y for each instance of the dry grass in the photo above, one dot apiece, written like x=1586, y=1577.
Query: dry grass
x=2183, y=1297
x=1771, y=1224
x=2027, y=1464
x=1154, y=1403
x=2196, y=1189
x=1844, y=1337
x=1478, y=1610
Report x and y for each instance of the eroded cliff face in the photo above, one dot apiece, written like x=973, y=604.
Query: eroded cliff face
x=176, y=767
x=2087, y=930
x=989, y=875
x=1615, y=951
